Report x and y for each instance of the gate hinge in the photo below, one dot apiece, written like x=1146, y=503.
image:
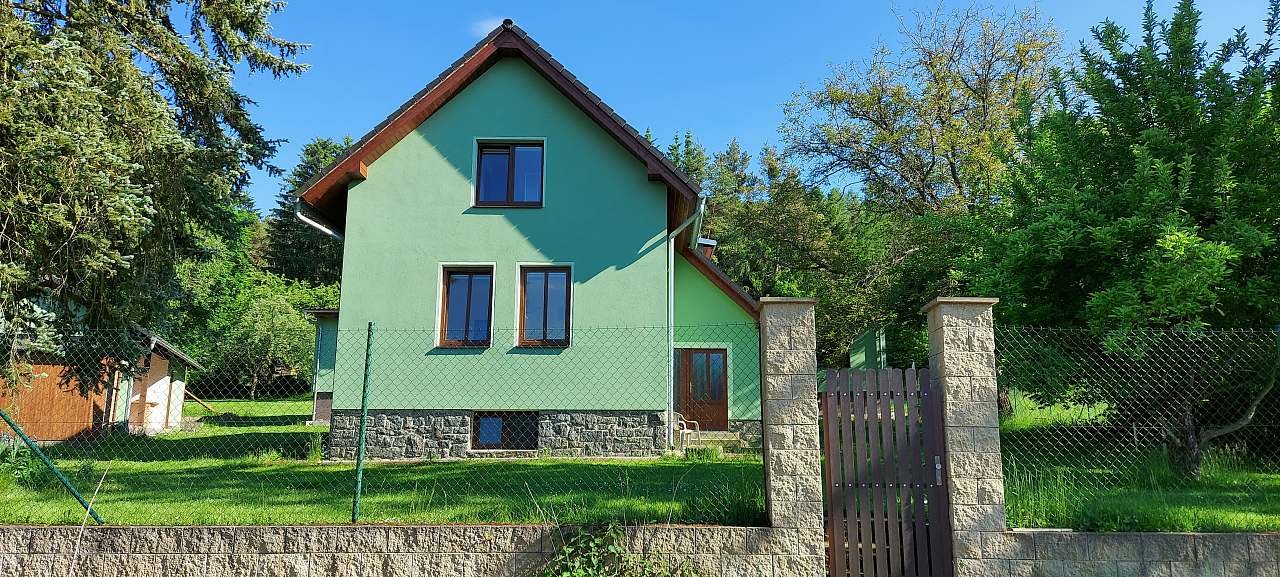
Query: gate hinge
x=937, y=469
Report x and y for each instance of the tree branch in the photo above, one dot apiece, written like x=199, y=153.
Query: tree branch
x=1248, y=415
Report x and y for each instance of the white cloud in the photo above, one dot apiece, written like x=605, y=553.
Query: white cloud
x=481, y=28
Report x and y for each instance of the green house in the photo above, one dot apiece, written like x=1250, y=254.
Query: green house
x=529, y=268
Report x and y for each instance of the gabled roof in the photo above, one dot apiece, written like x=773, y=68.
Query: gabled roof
x=154, y=343
x=326, y=192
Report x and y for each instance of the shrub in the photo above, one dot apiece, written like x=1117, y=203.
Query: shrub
x=601, y=554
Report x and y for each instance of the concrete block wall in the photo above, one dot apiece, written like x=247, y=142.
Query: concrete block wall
x=962, y=358
x=793, y=545
x=391, y=551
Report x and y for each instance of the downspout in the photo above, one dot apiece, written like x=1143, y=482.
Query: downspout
x=314, y=223
x=671, y=316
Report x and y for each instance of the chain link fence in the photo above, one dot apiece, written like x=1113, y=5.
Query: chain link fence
x=1140, y=430
x=579, y=428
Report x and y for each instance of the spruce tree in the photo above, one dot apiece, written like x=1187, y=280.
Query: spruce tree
x=296, y=250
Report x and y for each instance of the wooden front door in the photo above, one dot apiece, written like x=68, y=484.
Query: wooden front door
x=702, y=386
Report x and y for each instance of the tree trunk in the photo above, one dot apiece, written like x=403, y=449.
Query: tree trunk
x=253, y=385
x=1187, y=451
x=1004, y=404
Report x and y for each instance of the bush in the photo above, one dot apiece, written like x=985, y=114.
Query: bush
x=18, y=462
x=601, y=554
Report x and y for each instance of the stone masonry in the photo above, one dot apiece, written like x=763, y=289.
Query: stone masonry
x=793, y=473
x=962, y=358
x=391, y=551
x=792, y=546
x=438, y=434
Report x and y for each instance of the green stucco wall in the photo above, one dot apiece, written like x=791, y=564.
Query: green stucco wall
x=705, y=317
x=413, y=213
x=326, y=353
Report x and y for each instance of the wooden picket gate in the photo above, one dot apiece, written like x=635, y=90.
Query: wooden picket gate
x=886, y=508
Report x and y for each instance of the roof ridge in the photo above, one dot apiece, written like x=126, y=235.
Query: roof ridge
x=683, y=181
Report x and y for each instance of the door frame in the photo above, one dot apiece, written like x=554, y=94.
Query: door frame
x=683, y=383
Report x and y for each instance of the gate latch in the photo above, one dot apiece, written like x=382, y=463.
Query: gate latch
x=937, y=470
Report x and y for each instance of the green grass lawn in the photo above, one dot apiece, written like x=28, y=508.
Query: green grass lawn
x=1066, y=467
x=260, y=463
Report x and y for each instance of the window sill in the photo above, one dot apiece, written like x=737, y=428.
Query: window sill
x=542, y=345
x=464, y=345
x=508, y=205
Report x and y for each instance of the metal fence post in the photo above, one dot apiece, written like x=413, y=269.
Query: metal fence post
x=35, y=448
x=364, y=419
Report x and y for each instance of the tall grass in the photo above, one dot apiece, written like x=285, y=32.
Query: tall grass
x=1066, y=467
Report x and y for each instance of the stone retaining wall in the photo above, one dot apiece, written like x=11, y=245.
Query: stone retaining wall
x=408, y=551
x=1053, y=553
x=793, y=545
x=962, y=357
x=433, y=433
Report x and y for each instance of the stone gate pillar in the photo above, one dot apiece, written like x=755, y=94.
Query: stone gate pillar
x=789, y=411
x=962, y=360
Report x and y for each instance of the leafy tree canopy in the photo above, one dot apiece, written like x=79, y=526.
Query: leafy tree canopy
x=122, y=141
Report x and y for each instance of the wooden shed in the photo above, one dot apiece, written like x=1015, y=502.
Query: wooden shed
x=52, y=407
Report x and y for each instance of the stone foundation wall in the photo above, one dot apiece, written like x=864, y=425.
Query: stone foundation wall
x=751, y=432
x=432, y=433
x=316, y=551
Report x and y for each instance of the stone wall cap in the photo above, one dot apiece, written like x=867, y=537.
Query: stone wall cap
x=788, y=300
x=959, y=301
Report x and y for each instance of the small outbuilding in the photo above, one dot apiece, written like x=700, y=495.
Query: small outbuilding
x=145, y=400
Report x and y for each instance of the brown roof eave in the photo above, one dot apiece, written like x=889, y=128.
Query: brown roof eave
x=717, y=277
x=326, y=191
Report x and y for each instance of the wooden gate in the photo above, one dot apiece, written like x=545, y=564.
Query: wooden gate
x=887, y=513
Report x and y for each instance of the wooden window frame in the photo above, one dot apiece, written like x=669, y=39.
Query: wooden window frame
x=510, y=201
x=568, y=306
x=504, y=443
x=464, y=343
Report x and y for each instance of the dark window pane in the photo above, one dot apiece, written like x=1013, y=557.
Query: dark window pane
x=534, y=285
x=557, y=316
x=528, y=177
x=505, y=430
x=717, y=376
x=489, y=431
x=493, y=176
x=456, y=299
x=478, y=331
x=700, y=392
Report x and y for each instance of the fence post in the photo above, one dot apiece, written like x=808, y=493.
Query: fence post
x=789, y=415
x=962, y=360
x=35, y=448
x=364, y=419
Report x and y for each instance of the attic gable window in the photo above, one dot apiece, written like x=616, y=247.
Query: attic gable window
x=509, y=174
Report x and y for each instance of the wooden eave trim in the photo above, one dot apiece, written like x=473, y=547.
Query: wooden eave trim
x=722, y=281
x=505, y=41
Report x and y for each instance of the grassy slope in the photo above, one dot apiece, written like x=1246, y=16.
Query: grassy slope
x=1083, y=478
x=259, y=464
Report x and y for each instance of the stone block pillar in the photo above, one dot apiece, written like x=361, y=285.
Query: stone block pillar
x=789, y=411
x=962, y=360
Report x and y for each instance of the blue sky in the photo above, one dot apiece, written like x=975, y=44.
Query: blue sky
x=720, y=69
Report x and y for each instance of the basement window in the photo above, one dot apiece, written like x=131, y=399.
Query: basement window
x=510, y=430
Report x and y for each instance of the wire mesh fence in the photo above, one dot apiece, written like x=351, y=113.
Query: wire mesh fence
x=1140, y=430
x=600, y=425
